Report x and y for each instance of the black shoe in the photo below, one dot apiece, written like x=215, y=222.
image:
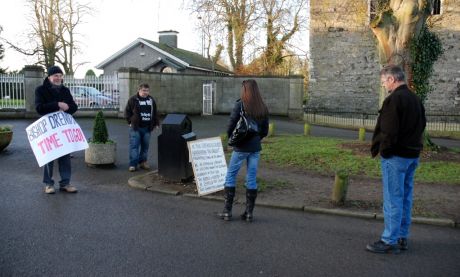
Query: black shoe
x=383, y=248
x=247, y=217
x=402, y=242
x=225, y=215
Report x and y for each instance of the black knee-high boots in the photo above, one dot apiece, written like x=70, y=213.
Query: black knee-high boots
x=229, y=194
x=251, y=195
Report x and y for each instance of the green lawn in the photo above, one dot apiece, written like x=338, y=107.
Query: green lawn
x=325, y=155
x=12, y=102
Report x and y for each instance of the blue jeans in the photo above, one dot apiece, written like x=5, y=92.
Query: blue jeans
x=139, y=141
x=398, y=182
x=252, y=163
x=65, y=171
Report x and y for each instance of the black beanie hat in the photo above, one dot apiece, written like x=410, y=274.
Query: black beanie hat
x=54, y=69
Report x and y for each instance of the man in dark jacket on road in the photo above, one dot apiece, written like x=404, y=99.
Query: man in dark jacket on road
x=51, y=97
x=141, y=114
x=398, y=137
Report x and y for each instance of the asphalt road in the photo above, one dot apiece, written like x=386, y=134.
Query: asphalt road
x=110, y=229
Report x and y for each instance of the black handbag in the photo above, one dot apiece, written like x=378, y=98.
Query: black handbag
x=245, y=127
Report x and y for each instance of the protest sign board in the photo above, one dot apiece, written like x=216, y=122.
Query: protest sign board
x=208, y=163
x=55, y=135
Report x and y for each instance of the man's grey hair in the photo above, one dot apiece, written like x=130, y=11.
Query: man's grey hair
x=393, y=70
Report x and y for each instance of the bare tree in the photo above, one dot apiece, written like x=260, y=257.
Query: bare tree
x=281, y=20
x=69, y=18
x=45, y=28
x=54, y=24
x=236, y=17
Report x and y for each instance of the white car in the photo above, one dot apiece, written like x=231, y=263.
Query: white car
x=90, y=97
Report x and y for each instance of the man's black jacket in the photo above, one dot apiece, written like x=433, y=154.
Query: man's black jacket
x=400, y=125
x=47, y=98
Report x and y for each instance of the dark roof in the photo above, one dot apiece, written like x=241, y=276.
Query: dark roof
x=192, y=58
x=180, y=57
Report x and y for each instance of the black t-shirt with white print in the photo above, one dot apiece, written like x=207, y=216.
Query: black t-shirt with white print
x=146, y=111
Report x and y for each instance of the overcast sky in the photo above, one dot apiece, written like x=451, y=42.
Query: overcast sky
x=112, y=26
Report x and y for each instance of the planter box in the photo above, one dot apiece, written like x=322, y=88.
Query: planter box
x=101, y=154
x=5, y=139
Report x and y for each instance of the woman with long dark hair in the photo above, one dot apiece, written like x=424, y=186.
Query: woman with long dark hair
x=247, y=150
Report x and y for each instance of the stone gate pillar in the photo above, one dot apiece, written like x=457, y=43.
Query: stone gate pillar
x=33, y=77
x=128, y=80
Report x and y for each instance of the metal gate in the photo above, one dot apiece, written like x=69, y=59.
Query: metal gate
x=12, y=95
x=95, y=92
x=208, y=88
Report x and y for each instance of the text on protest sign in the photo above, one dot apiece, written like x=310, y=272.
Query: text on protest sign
x=55, y=135
x=208, y=163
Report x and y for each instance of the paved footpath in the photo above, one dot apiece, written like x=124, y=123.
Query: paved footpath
x=110, y=229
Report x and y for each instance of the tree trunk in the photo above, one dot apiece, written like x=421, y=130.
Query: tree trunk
x=394, y=27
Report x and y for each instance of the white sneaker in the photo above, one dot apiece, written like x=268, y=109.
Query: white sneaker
x=132, y=169
x=68, y=188
x=49, y=190
x=144, y=165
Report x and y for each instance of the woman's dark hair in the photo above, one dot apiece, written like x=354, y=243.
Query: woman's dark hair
x=143, y=85
x=254, y=106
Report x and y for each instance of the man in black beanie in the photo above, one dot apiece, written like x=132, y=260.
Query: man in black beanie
x=51, y=97
x=54, y=69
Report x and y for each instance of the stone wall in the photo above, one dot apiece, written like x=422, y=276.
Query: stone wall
x=344, y=58
x=446, y=77
x=183, y=93
x=344, y=61
x=343, y=76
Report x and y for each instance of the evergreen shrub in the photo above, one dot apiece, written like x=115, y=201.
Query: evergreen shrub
x=100, y=133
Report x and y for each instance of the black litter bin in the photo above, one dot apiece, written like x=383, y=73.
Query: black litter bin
x=173, y=159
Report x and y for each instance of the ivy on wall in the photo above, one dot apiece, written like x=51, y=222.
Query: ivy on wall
x=425, y=49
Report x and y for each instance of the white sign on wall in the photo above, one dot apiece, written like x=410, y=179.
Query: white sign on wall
x=209, y=165
x=55, y=135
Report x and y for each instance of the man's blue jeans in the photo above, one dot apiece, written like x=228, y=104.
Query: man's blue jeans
x=398, y=182
x=252, y=163
x=139, y=141
x=65, y=171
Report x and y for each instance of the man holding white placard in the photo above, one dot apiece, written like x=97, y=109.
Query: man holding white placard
x=51, y=97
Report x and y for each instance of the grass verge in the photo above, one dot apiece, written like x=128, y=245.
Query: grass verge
x=324, y=155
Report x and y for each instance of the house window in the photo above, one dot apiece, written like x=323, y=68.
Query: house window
x=167, y=69
x=436, y=7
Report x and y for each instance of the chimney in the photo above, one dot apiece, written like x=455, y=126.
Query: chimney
x=168, y=37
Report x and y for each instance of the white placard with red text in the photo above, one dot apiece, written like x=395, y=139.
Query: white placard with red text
x=55, y=135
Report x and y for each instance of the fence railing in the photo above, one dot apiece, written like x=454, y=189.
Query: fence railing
x=94, y=92
x=435, y=122
x=89, y=93
x=12, y=95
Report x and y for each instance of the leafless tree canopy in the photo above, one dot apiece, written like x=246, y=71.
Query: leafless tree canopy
x=281, y=19
x=241, y=21
x=54, y=28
